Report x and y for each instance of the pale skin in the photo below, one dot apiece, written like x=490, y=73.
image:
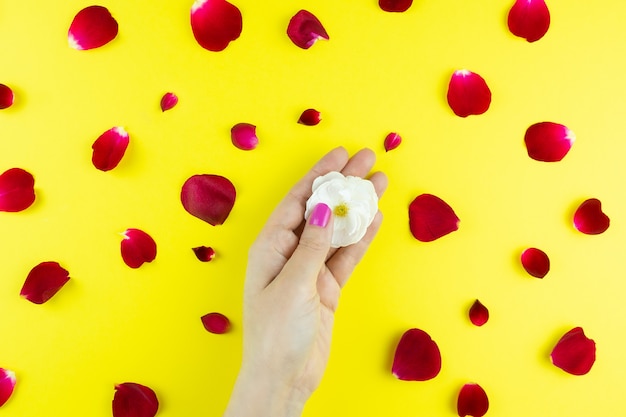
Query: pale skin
x=292, y=289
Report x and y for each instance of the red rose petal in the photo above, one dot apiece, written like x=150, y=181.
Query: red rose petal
x=395, y=5
x=7, y=385
x=574, y=353
x=478, y=313
x=535, y=262
x=17, y=190
x=310, y=117
x=431, y=218
x=43, y=281
x=109, y=148
x=208, y=197
x=243, y=136
x=529, y=19
x=590, y=219
x=305, y=29
x=392, y=141
x=137, y=247
x=168, y=101
x=215, y=23
x=417, y=357
x=468, y=93
x=204, y=253
x=6, y=96
x=216, y=323
x=472, y=401
x=134, y=400
x=92, y=28
x=548, y=142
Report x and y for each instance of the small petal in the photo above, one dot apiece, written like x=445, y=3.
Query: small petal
x=468, y=94
x=7, y=385
x=431, y=218
x=395, y=5
x=109, y=148
x=305, y=29
x=92, y=28
x=43, y=281
x=417, y=357
x=215, y=23
x=134, y=400
x=310, y=117
x=204, y=253
x=590, y=219
x=216, y=323
x=17, y=190
x=208, y=197
x=529, y=19
x=472, y=401
x=168, y=101
x=392, y=141
x=478, y=313
x=6, y=97
x=535, y=262
x=137, y=247
x=548, y=142
x=243, y=136
x=574, y=353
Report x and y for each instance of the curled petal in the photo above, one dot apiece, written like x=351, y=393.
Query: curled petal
x=92, y=28
x=472, y=401
x=216, y=323
x=134, y=400
x=137, y=247
x=392, y=141
x=7, y=385
x=168, y=101
x=468, y=93
x=305, y=29
x=109, y=148
x=431, y=218
x=215, y=23
x=43, y=281
x=17, y=190
x=535, y=262
x=417, y=357
x=208, y=197
x=548, y=142
x=395, y=5
x=6, y=96
x=310, y=117
x=478, y=313
x=529, y=19
x=204, y=253
x=243, y=136
x=590, y=219
x=574, y=353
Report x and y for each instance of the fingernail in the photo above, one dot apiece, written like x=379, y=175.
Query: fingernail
x=320, y=215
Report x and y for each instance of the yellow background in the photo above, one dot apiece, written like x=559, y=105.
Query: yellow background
x=379, y=72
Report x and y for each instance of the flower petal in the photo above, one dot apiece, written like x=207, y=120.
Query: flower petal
x=6, y=96
x=168, y=101
x=43, y=281
x=243, y=136
x=590, y=219
x=204, y=253
x=574, y=353
x=529, y=19
x=392, y=141
x=395, y=5
x=548, y=142
x=92, y=28
x=17, y=190
x=305, y=29
x=134, y=400
x=310, y=117
x=215, y=23
x=109, y=148
x=7, y=385
x=472, y=401
x=137, y=247
x=208, y=197
x=478, y=313
x=535, y=262
x=417, y=357
x=431, y=218
x=468, y=93
x=216, y=323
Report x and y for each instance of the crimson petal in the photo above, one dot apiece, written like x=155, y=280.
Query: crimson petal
x=208, y=197
x=215, y=23
x=137, y=247
x=43, y=281
x=168, y=101
x=529, y=19
x=310, y=117
x=7, y=385
x=17, y=190
x=535, y=262
x=216, y=323
x=417, y=357
x=243, y=136
x=92, y=28
x=204, y=253
x=431, y=218
x=305, y=29
x=134, y=400
x=574, y=353
x=590, y=219
x=478, y=313
x=468, y=93
x=472, y=401
x=548, y=141
x=395, y=5
x=109, y=148
x=6, y=96
x=392, y=141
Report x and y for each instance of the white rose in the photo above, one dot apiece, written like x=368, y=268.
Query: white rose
x=353, y=201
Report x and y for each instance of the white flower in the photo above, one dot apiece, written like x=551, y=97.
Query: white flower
x=353, y=201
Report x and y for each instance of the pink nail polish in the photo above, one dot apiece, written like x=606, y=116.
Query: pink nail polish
x=320, y=215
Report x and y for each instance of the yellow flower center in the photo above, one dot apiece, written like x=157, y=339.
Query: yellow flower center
x=341, y=210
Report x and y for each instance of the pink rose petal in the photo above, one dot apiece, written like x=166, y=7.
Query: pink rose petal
x=392, y=141
x=529, y=19
x=92, y=28
x=535, y=262
x=310, y=117
x=478, y=313
x=215, y=23
x=305, y=29
x=548, y=142
x=208, y=197
x=395, y=5
x=168, y=101
x=137, y=247
x=417, y=357
x=472, y=401
x=216, y=323
x=590, y=219
x=134, y=400
x=574, y=353
x=243, y=136
x=109, y=148
x=7, y=385
x=43, y=282
x=17, y=190
x=468, y=93
x=6, y=97
x=431, y=218
x=204, y=253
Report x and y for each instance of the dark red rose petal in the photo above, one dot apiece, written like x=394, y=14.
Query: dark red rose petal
x=590, y=219
x=109, y=148
x=548, y=142
x=168, y=101
x=215, y=23
x=92, y=28
x=243, y=136
x=431, y=218
x=574, y=353
x=208, y=197
x=529, y=19
x=417, y=357
x=134, y=400
x=395, y=5
x=6, y=96
x=43, y=282
x=7, y=385
x=216, y=323
x=535, y=262
x=392, y=141
x=17, y=190
x=472, y=401
x=137, y=247
x=305, y=29
x=478, y=313
x=204, y=253
x=310, y=117
x=468, y=94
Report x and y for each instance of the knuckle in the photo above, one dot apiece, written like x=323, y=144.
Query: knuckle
x=312, y=244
